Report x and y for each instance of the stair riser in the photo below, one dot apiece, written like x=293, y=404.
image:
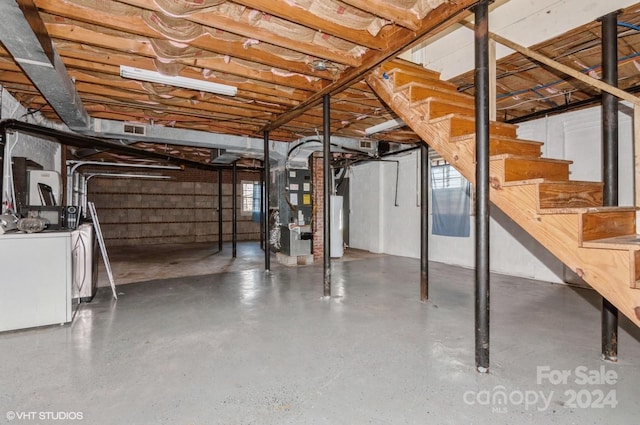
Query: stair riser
x=502, y=147
x=594, y=226
x=463, y=127
x=418, y=93
x=570, y=195
x=524, y=169
x=438, y=109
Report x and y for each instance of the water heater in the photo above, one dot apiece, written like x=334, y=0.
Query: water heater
x=337, y=240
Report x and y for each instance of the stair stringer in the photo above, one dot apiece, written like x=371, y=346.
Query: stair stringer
x=606, y=270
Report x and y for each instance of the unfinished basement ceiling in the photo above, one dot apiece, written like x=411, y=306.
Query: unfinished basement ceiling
x=525, y=89
x=283, y=56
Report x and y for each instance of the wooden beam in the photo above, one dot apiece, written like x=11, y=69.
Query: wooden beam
x=135, y=25
x=403, y=17
x=142, y=47
x=245, y=28
x=103, y=60
x=636, y=150
x=285, y=10
x=438, y=20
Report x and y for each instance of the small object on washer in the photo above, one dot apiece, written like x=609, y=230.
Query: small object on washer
x=32, y=224
x=8, y=222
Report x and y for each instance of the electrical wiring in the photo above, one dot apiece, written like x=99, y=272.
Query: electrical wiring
x=537, y=99
x=627, y=25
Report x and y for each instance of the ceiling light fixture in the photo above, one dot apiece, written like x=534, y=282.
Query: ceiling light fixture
x=387, y=125
x=177, y=81
x=319, y=65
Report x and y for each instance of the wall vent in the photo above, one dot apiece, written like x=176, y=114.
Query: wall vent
x=138, y=130
x=365, y=144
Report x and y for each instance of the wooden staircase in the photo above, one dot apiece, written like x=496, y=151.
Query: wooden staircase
x=567, y=217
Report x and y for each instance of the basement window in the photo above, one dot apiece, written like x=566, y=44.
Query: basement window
x=450, y=201
x=251, y=197
x=444, y=176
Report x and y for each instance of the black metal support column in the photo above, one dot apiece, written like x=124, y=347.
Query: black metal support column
x=265, y=203
x=326, y=168
x=3, y=136
x=234, y=210
x=219, y=209
x=482, y=185
x=262, y=208
x=610, y=163
x=424, y=222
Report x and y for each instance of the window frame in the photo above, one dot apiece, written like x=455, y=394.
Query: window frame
x=247, y=198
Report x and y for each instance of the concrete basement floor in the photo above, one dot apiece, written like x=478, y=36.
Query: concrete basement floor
x=241, y=346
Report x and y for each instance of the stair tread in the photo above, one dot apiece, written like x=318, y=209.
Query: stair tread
x=627, y=242
x=464, y=117
x=436, y=88
x=548, y=181
x=493, y=123
x=505, y=139
x=401, y=78
x=585, y=210
x=403, y=65
x=437, y=99
x=529, y=158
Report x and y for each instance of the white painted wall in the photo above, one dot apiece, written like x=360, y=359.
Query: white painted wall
x=366, y=220
x=46, y=153
x=575, y=136
x=401, y=213
x=452, y=53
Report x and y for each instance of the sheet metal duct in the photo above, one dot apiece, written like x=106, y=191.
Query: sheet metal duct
x=234, y=147
x=25, y=37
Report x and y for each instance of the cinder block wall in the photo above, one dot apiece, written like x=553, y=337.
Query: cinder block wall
x=180, y=210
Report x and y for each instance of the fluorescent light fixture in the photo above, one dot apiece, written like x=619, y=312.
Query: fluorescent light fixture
x=187, y=83
x=387, y=125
